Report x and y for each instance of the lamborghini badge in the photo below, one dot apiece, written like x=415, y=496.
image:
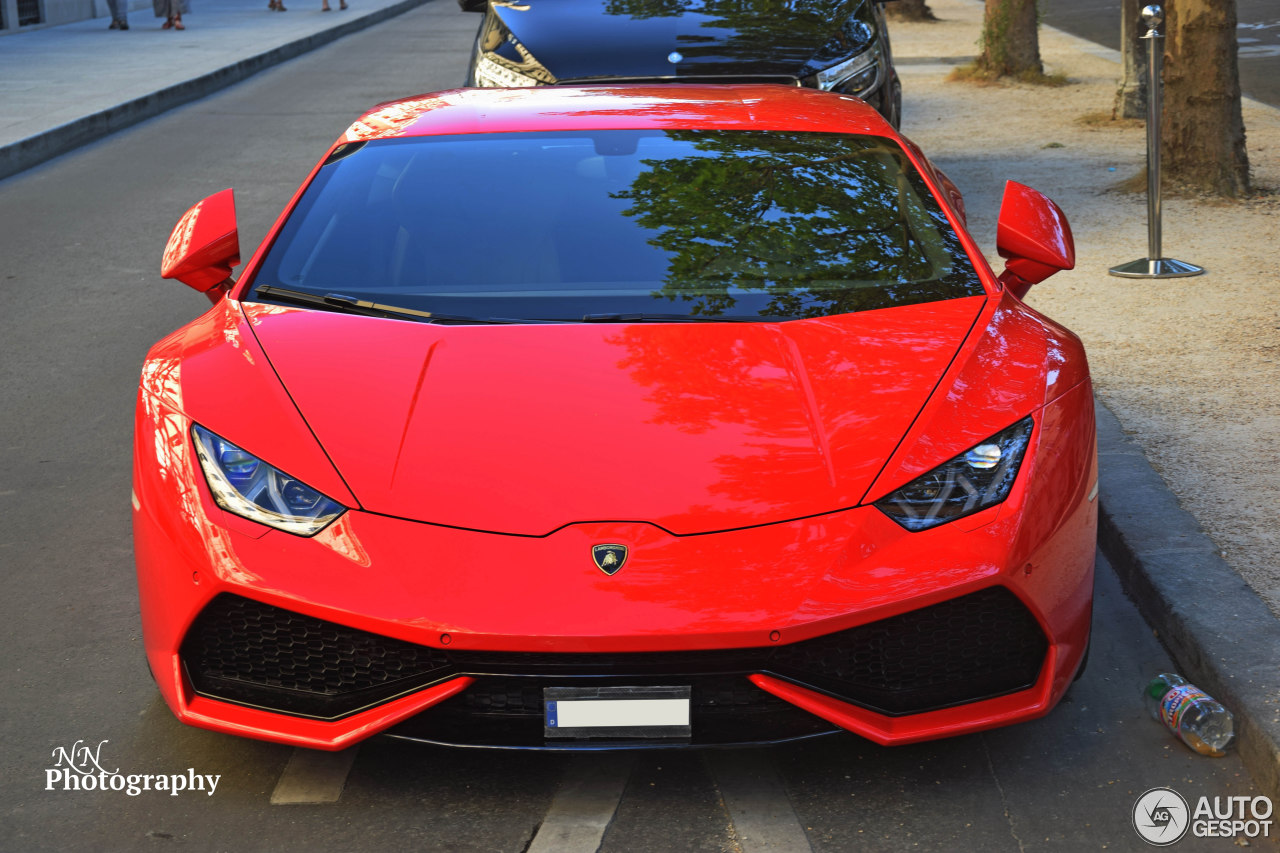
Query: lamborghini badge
x=609, y=558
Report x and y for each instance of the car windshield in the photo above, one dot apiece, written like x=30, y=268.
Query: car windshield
x=694, y=224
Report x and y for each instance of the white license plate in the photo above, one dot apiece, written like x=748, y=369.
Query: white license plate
x=626, y=712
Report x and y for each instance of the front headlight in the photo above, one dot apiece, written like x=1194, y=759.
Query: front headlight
x=503, y=62
x=976, y=479
x=494, y=72
x=244, y=485
x=857, y=75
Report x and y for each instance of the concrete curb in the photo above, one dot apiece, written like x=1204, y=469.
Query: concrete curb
x=1219, y=632
x=33, y=150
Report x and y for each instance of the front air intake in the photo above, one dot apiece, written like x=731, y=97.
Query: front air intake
x=969, y=648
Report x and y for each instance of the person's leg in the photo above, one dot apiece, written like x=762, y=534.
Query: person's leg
x=119, y=14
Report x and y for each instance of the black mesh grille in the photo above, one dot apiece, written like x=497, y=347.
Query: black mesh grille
x=973, y=647
x=248, y=652
x=969, y=648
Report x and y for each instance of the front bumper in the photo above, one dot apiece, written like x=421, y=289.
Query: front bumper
x=857, y=623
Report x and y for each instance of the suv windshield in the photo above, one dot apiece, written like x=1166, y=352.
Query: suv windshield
x=711, y=224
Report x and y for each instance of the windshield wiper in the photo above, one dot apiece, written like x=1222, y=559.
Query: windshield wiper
x=351, y=305
x=676, y=318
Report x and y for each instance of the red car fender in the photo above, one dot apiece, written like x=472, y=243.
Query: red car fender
x=1013, y=364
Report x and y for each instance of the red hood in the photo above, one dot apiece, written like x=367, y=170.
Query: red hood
x=693, y=427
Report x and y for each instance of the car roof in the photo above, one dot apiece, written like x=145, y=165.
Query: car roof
x=754, y=106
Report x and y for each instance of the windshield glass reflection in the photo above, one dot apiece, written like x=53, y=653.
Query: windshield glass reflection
x=558, y=226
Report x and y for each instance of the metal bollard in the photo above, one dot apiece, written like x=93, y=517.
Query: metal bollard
x=1154, y=265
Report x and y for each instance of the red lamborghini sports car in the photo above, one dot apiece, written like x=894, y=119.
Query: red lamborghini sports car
x=616, y=417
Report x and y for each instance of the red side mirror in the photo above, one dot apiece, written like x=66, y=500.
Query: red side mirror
x=204, y=246
x=1033, y=236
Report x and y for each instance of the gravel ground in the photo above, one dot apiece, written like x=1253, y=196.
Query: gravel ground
x=1190, y=366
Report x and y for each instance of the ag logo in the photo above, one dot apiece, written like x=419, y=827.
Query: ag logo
x=1161, y=816
x=609, y=558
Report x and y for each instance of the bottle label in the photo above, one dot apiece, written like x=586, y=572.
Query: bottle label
x=1175, y=703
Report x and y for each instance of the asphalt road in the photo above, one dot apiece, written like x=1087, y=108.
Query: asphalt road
x=1258, y=34
x=80, y=239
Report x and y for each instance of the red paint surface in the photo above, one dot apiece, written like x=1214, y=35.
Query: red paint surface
x=204, y=245
x=691, y=427
x=1033, y=236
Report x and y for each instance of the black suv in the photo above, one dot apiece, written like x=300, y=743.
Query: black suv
x=837, y=45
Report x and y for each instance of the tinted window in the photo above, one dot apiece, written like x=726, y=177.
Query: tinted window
x=562, y=225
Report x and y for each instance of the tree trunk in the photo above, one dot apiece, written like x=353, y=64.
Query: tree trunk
x=1203, y=130
x=1131, y=97
x=909, y=10
x=1010, y=41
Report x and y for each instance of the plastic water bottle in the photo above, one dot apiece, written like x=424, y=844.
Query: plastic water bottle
x=1190, y=713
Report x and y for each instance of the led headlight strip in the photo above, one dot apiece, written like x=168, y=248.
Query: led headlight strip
x=491, y=73
x=865, y=66
x=980, y=477
x=244, y=485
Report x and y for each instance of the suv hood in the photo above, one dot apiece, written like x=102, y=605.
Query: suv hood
x=580, y=39
x=694, y=427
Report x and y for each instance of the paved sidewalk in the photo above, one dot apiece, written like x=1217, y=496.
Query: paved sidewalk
x=69, y=85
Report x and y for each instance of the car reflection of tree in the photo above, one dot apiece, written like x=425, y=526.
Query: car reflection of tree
x=820, y=226
x=755, y=22
x=790, y=429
